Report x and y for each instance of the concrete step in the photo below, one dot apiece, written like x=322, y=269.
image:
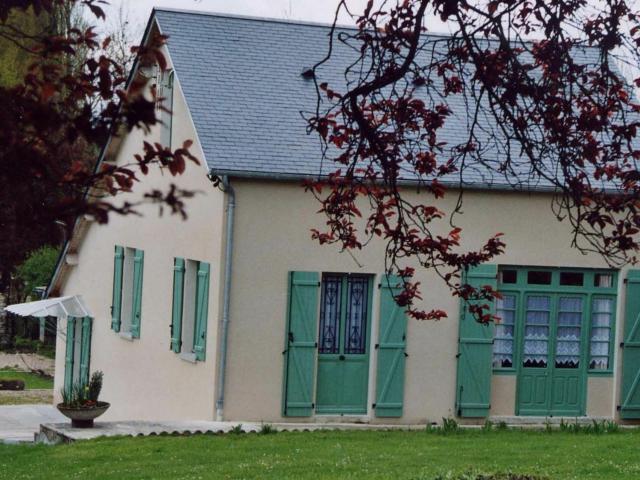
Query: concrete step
x=522, y=421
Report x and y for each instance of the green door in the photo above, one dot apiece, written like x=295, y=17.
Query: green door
x=343, y=345
x=551, y=377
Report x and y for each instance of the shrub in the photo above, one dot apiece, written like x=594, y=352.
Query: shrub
x=236, y=430
x=449, y=425
x=267, y=429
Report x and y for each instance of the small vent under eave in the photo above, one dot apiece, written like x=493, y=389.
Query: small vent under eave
x=308, y=74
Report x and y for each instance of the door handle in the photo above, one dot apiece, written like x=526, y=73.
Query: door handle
x=341, y=357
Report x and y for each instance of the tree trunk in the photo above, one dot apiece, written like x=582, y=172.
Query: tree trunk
x=6, y=333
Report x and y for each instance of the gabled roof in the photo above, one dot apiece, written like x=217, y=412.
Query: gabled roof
x=241, y=78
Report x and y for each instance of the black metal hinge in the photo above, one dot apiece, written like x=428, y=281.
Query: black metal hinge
x=373, y=405
x=621, y=344
x=619, y=407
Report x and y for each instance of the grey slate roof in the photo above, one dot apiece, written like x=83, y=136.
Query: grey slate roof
x=242, y=81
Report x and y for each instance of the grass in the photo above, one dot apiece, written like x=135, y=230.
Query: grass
x=31, y=380
x=397, y=455
x=25, y=398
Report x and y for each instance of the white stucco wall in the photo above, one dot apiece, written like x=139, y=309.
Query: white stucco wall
x=143, y=378
x=273, y=237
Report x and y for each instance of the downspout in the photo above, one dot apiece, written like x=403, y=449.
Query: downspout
x=226, y=296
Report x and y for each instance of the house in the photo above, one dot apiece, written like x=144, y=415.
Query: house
x=236, y=314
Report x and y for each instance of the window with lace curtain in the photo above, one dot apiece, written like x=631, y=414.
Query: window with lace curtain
x=505, y=332
x=555, y=318
x=601, y=333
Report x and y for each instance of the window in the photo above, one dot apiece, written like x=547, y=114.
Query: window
x=557, y=318
x=344, y=313
x=603, y=280
x=535, y=277
x=505, y=332
x=508, y=276
x=601, y=334
x=568, y=332
x=165, y=105
x=126, y=306
x=571, y=278
x=536, y=331
x=78, y=351
x=190, y=308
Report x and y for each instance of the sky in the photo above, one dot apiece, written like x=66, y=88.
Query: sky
x=306, y=10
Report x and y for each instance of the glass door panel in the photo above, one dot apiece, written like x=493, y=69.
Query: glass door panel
x=534, y=375
x=536, y=332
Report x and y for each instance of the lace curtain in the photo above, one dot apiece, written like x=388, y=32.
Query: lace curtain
x=504, y=333
x=602, y=311
x=569, y=331
x=536, y=331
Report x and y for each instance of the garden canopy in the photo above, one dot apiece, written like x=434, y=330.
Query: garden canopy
x=71, y=306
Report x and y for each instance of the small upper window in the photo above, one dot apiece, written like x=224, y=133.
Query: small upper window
x=165, y=94
x=574, y=279
x=509, y=276
x=539, y=277
x=603, y=280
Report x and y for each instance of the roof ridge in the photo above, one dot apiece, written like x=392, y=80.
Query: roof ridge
x=308, y=23
x=254, y=18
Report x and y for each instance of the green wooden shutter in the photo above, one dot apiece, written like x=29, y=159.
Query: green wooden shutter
x=176, y=311
x=138, y=268
x=116, y=302
x=391, y=350
x=85, y=350
x=301, y=344
x=630, y=392
x=202, y=310
x=473, y=392
x=68, y=359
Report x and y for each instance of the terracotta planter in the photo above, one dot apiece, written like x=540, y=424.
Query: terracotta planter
x=83, y=417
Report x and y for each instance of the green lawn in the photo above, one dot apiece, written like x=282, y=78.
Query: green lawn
x=31, y=380
x=329, y=455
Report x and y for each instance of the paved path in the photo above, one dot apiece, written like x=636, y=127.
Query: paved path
x=18, y=423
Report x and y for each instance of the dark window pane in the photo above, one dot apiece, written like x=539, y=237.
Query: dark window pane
x=356, y=328
x=539, y=278
x=571, y=278
x=329, y=337
x=509, y=276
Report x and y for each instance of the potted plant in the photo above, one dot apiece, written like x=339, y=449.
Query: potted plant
x=80, y=402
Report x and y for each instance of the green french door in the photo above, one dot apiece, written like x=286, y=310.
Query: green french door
x=551, y=379
x=344, y=344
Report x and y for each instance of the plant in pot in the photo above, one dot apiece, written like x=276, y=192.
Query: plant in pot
x=80, y=402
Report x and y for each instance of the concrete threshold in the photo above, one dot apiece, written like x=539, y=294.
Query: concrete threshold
x=53, y=433
x=64, y=433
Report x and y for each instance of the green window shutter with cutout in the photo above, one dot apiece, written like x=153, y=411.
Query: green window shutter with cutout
x=138, y=270
x=178, y=299
x=202, y=311
x=68, y=359
x=475, y=345
x=630, y=391
x=301, y=346
x=85, y=350
x=391, y=349
x=116, y=302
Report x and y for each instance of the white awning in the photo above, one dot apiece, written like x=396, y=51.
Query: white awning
x=72, y=306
